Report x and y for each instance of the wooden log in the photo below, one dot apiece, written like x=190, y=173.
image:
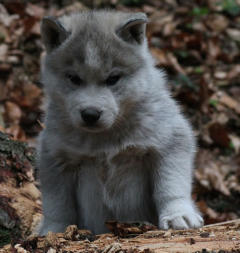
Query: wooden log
x=222, y=237
x=20, y=205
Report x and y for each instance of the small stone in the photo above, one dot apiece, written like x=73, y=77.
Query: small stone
x=192, y=241
x=204, y=234
x=51, y=250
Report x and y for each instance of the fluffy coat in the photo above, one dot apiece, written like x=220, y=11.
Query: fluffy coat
x=136, y=163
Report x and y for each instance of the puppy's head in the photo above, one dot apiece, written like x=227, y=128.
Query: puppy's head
x=94, y=67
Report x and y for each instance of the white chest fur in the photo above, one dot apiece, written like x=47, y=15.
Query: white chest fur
x=118, y=186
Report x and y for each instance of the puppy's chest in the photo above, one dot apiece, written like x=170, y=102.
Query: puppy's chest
x=131, y=161
x=124, y=177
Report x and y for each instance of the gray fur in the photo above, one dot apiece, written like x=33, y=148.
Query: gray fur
x=136, y=164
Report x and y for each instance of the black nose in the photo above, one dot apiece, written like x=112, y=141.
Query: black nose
x=90, y=115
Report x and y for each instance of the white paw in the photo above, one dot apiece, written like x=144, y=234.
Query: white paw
x=180, y=214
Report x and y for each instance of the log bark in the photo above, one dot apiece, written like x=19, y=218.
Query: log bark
x=20, y=205
x=222, y=237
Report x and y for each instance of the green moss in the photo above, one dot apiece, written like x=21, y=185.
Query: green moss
x=182, y=53
x=198, y=70
x=230, y=6
x=132, y=2
x=2, y=37
x=185, y=81
x=5, y=236
x=199, y=12
x=11, y=147
x=213, y=102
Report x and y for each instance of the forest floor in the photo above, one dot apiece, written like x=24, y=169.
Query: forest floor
x=197, y=43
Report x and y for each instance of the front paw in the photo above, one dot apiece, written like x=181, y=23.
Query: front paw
x=180, y=214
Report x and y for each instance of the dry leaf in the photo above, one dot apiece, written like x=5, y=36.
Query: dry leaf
x=234, y=34
x=229, y=102
x=34, y=10
x=13, y=112
x=234, y=72
x=160, y=56
x=173, y=60
x=209, y=174
x=16, y=132
x=5, y=18
x=218, y=23
x=219, y=135
x=3, y=52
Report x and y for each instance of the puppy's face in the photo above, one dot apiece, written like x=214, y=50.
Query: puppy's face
x=93, y=75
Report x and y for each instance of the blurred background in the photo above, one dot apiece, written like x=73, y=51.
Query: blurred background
x=197, y=43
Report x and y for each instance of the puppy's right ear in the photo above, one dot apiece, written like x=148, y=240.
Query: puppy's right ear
x=133, y=28
x=53, y=33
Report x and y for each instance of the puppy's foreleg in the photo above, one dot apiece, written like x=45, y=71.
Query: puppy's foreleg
x=172, y=191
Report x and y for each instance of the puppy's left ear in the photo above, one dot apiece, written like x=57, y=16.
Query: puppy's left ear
x=134, y=28
x=53, y=33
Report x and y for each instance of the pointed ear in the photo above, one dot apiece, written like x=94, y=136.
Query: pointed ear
x=133, y=30
x=53, y=33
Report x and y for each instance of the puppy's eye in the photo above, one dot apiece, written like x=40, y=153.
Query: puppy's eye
x=75, y=79
x=112, y=80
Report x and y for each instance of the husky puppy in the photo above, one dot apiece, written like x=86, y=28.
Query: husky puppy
x=116, y=145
